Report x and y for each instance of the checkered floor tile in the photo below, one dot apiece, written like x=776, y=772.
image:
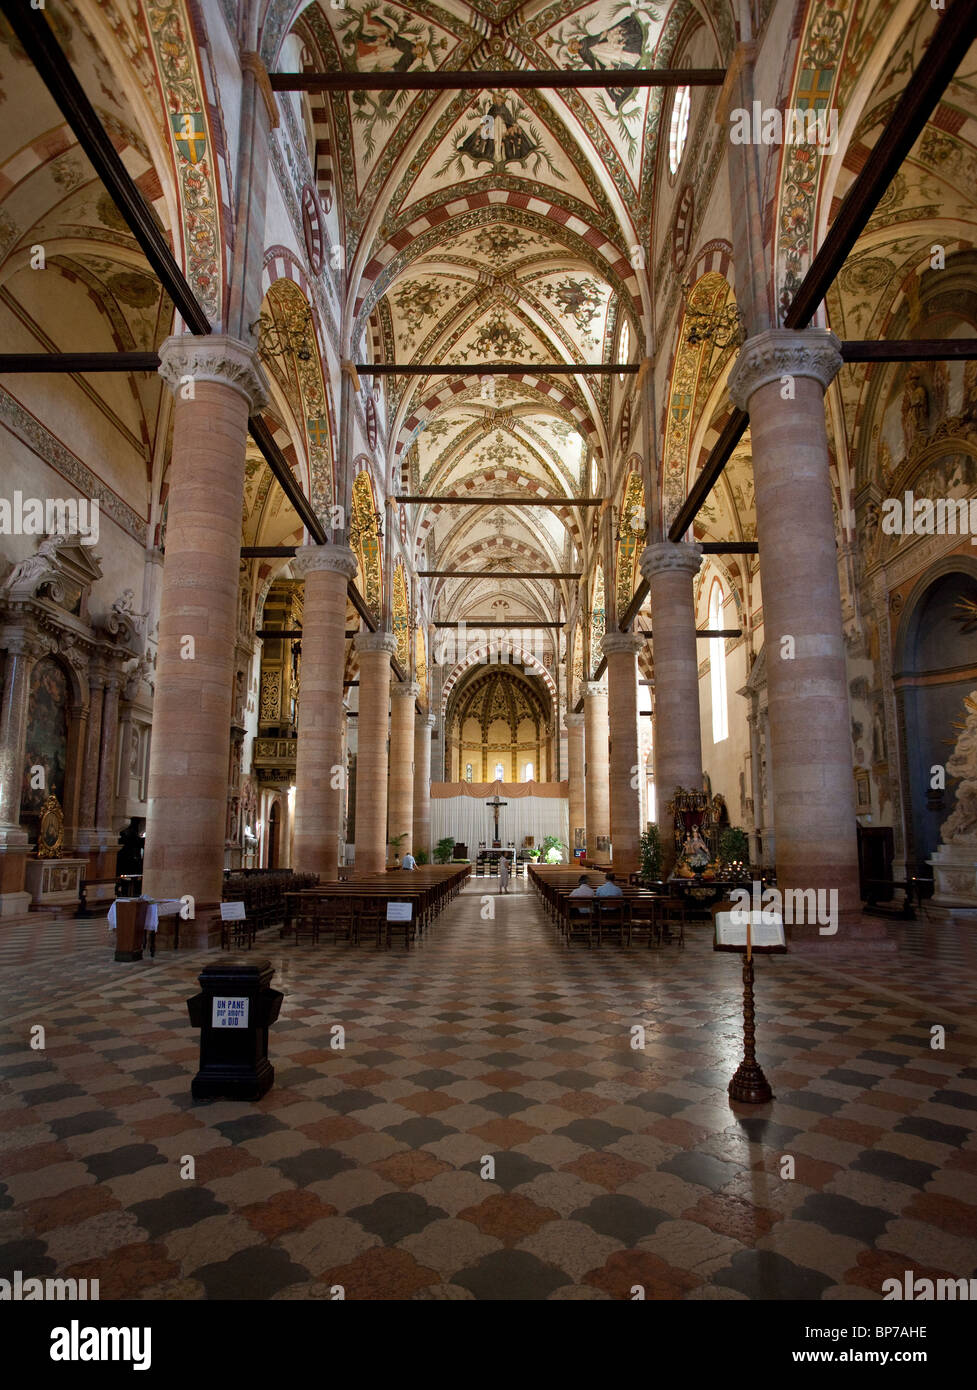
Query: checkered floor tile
x=489, y=1130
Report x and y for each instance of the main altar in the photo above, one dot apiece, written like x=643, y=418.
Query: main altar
x=500, y=815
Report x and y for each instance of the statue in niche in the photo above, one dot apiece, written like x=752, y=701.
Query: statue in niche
x=961, y=824
x=915, y=407
x=878, y=736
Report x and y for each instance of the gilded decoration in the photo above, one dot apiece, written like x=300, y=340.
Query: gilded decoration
x=597, y=618
x=367, y=544
x=401, y=617
x=632, y=533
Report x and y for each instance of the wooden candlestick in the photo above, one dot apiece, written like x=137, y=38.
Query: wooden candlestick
x=749, y=1084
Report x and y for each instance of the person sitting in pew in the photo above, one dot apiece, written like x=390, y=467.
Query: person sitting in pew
x=609, y=889
x=408, y=861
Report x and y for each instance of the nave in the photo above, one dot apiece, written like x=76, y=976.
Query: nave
x=614, y=1167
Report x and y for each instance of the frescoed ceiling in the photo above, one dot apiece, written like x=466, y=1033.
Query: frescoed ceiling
x=486, y=227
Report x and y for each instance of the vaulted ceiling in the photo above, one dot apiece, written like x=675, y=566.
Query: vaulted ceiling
x=488, y=227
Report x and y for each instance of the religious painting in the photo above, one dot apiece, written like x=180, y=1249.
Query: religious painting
x=401, y=621
x=47, y=736
x=597, y=619
x=379, y=37
x=501, y=134
x=421, y=301
x=612, y=38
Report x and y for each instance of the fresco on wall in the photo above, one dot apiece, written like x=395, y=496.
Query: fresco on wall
x=47, y=735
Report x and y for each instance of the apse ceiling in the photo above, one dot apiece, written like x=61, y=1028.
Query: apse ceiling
x=490, y=227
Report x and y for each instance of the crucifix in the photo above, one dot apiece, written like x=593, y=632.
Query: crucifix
x=496, y=807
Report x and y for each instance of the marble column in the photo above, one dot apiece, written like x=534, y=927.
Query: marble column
x=423, y=724
x=621, y=650
x=670, y=567
x=21, y=655
x=320, y=772
x=810, y=723
x=88, y=840
x=375, y=650
x=752, y=720
x=576, y=756
x=216, y=382
x=597, y=770
x=400, y=783
x=105, y=798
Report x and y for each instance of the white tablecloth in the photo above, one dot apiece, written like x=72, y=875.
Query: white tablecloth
x=157, y=908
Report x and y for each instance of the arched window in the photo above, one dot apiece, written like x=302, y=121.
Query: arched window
x=527, y=775
x=499, y=772
x=717, y=665
x=625, y=346
x=468, y=772
x=679, y=128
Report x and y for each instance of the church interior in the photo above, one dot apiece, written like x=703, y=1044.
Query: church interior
x=481, y=446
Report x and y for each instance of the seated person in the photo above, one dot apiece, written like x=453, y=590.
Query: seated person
x=583, y=890
x=408, y=861
x=608, y=889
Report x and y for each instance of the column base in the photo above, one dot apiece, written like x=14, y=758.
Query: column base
x=955, y=874
x=14, y=904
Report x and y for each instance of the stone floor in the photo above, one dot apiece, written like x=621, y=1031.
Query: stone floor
x=613, y=1167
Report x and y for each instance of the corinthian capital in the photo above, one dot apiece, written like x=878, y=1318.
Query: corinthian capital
x=407, y=690
x=621, y=644
x=335, y=558
x=671, y=556
x=186, y=358
x=780, y=352
x=376, y=642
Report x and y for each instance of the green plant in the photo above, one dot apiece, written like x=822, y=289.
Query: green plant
x=443, y=850
x=422, y=856
x=651, y=852
x=395, y=843
x=553, y=849
x=734, y=845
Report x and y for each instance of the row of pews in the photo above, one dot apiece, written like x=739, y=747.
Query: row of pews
x=355, y=909
x=638, y=914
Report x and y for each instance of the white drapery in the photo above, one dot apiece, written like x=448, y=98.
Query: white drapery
x=469, y=821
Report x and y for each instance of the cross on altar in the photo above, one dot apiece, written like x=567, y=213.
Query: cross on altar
x=496, y=807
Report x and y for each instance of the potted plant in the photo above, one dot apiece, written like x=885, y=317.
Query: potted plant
x=395, y=843
x=444, y=849
x=553, y=850
x=651, y=853
x=422, y=856
x=734, y=846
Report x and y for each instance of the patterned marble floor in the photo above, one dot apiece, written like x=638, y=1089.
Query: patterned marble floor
x=613, y=1167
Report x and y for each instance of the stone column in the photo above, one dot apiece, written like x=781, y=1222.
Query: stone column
x=375, y=650
x=755, y=790
x=810, y=724
x=401, y=779
x=621, y=650
x=74, y=772
x=105, y=801
x=93, y=742
x=670, y=568
x=320, y=773
x=217, y=383
x=423, y=724
x=576, y=757
x=597, y=770
x=20, y=658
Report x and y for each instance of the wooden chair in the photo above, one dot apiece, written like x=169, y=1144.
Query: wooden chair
x=612, y=916
x=671, y=919
x=306, y=923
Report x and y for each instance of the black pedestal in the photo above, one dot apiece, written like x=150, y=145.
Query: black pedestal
x=234, y=1010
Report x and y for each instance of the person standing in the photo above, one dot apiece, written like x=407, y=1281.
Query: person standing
x=503, y=873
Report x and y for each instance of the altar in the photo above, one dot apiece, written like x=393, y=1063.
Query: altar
x=500, y=816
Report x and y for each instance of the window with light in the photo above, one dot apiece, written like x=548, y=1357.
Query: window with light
x=679, y=128
x=625, y=346
x=527, y=775
x=717, y=665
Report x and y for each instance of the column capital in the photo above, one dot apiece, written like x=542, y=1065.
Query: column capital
x=376, y=642
x=338, y=559
x=591, y=688
x=406, y=690
x=215, y=358
x=621, y=644
x=425, y=721
x=575, y=721
x=665, y=556
x=780, y=352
